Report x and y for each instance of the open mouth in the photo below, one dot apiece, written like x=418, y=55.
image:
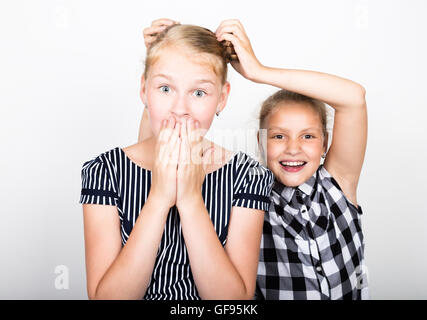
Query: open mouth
x=292, y=166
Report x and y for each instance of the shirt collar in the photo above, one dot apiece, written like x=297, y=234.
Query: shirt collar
x=288, y=192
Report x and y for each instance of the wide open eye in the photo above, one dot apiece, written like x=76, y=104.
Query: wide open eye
x=165, y=89
x=199, y=93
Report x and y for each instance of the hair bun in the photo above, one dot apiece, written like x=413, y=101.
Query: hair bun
x=229, y=53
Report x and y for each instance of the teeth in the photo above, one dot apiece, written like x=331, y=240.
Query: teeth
x=293, y=164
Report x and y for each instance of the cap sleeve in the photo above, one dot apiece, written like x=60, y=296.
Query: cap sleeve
x=254, y=186
x=97, y=185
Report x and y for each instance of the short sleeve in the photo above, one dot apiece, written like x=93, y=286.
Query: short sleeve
x=255, y=187
x=97, y=185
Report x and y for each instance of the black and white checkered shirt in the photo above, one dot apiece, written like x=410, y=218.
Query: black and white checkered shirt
x=312, y=244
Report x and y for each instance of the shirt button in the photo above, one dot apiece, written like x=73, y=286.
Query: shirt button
x=319, y=269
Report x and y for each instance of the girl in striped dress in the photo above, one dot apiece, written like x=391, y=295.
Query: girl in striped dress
x=175, y=216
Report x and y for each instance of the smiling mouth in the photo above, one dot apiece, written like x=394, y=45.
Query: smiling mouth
x=292, y=163
x=292, y=166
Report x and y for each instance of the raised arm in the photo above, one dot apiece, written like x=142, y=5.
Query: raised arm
x=345, y=157
x=346, y=154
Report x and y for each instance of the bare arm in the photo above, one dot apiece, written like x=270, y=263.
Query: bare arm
x=125, y=273
x=346, y=154
x=114, y=272
x=345, y=157
x=144, y=127
x=223, y=273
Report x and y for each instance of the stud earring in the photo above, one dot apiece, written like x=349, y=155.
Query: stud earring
x=324, y=155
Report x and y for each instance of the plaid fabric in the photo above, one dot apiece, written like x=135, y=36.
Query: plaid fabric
x=312, y=244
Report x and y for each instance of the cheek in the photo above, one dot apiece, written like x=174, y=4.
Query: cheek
x=158, y=110
x=274, y=149
x=314, y=150
x=156, y=116
x=204, y=113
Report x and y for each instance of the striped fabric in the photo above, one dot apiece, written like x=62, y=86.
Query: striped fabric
x=114, y=179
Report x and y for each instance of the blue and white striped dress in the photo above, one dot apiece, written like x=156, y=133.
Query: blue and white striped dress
x=112, y=178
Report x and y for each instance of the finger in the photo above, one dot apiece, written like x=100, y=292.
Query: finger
x=183, y=152
x=233, y=29
x=191, y=131
x=230, y=22
x=174, y=156
x=163, y=21
x=162, y=129
x=185, y=148
x=149, y=40
x=168, y=130
x=207, y=158
x=197, y=132
x=230, y=37
x=171, y=144
x=237, y=44
x=150, y=31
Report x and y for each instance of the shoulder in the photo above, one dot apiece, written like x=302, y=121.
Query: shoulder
x=103, y=157
x=246, y=163
x=100, y=168
x=252, y=183
x=250, y=173
x=99, y=185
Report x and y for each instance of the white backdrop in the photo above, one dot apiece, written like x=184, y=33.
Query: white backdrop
x=69, y=81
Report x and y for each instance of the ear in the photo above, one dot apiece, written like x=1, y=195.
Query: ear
x=225, y=92
x=325, y=143
x=142, y=91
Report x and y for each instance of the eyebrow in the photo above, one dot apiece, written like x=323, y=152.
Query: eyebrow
x=161, y=75
x=284, y=129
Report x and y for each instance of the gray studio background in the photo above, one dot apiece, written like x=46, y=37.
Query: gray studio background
x=69, y=81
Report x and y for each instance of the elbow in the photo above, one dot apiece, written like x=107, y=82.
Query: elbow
x=91, y=294
x=360, y=97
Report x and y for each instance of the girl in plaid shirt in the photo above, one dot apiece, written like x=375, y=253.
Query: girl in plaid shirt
x=312, y=245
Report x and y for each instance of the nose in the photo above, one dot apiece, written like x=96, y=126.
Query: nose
x=293, y=147
x=180, y=108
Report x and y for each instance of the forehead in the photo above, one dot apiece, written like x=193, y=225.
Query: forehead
x=183, y=63
x=294, y=116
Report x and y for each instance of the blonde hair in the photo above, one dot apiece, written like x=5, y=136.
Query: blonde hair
x=197, y=39
x=283, y=96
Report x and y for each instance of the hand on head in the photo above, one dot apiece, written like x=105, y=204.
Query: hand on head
x=157, y=26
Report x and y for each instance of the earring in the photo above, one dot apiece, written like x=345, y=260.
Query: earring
x=217, y=112
x=324, y=155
